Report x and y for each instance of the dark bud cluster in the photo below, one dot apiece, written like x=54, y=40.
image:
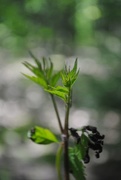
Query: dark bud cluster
x=95, y=142
x=87, y=157
x=75, y=134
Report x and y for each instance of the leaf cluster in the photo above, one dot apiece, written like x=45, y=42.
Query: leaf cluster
x=70, y=76
x=44, y=74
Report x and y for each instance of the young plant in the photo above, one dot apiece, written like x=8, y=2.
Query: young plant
x=85, y=138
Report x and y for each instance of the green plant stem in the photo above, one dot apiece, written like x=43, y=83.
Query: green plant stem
x=66, y=159
x=66, y=137
x=57, y=113
x=58, y=161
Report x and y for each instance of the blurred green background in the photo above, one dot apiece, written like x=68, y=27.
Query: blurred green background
x=62, y=30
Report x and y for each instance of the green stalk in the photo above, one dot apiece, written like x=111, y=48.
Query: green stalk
x=57, y=113
x=66, y=137
x=58, y=161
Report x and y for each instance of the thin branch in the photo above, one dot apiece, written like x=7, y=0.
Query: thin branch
x=57, y=113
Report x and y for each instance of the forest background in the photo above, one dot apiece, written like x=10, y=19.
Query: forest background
x=63, y=30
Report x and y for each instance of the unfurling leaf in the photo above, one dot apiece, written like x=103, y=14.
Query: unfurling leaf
x=59, y=91
x=41, y=135
x=70, y=76
x=35, y=70
x=44, y=74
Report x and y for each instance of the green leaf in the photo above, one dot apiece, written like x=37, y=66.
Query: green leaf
x=49, y=70
x=40, y=135
x=37, y=80
x=76, y=165
x=55, y=79
x=76, y=155
x=43, y=70
x=44, y=63
x=70, y=76
x=65, y=79
x=73, y=73
x=36, y=61
x=34, y=69
x=74, y=70
x=83, y=145
x=59, y=91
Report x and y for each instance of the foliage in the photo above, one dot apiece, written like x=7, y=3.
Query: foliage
x=59, y=91
x=76, y=164
x=40, y=135
x=74, y=156
x=70, y=76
